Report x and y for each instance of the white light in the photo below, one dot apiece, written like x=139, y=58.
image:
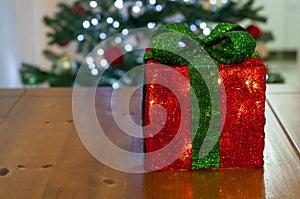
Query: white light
x=136, y=9
x=203, y=25
x=186, y=0
x=103, y=62
x=125, y=31
x=219, y=81
x=213, y=2
x=100, y=51
x=193, y=27
x=109, y=20
x=86, y=24
x=116, y=85
x=181, y=44
x=116, y=24
x=224, y=1
x=158, y=8
x=102, y=35
x=95, y=72
x=119, y=4
x=151, y=25
x=206, y=31
x=118, y=40
x=94, y=21
x=128, y=47
x=93, y=4
x=89, y=60
x=92, y=66
x=139, y=3
x=152, y=2
x=80, y=37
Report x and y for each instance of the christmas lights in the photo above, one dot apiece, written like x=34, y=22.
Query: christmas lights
x=237, y=139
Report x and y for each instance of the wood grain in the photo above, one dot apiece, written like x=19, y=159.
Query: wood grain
x=282, y=165
x=287, y=108
x=32, y=136
x=40, y=147
x=8, y=99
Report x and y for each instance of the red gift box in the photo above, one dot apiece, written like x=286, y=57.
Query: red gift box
x=242, y=102
x=242, y=135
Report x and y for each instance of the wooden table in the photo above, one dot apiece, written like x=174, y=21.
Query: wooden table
x=41, y=155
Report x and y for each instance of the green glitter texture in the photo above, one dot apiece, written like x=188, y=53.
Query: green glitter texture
x=204, y=102
x=229, y=43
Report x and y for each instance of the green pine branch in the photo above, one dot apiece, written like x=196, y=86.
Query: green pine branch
x=67, y=23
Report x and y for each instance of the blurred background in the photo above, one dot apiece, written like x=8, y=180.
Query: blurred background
x=44, y=42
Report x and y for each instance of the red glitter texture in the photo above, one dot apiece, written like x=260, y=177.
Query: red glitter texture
x=170, y=120
x=242, y=136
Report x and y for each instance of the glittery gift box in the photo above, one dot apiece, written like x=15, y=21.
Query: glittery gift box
x=240, y=136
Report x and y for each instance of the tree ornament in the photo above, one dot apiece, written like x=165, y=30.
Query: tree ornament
x=254, y=31
x=63, y=43
x=79, y=10
x=114, y=55
x=63, y=65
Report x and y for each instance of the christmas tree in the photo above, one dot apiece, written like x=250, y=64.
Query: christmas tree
x=88, y=22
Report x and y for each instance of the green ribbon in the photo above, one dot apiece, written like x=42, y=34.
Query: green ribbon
x=227, y=43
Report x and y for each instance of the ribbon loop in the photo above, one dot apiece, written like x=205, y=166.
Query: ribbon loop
x=227, y=43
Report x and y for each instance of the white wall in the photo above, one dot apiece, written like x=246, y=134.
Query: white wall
x=10, y=52
x=283, y=21
x=22, y=36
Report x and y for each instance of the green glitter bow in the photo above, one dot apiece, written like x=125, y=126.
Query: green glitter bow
x=227, y=43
